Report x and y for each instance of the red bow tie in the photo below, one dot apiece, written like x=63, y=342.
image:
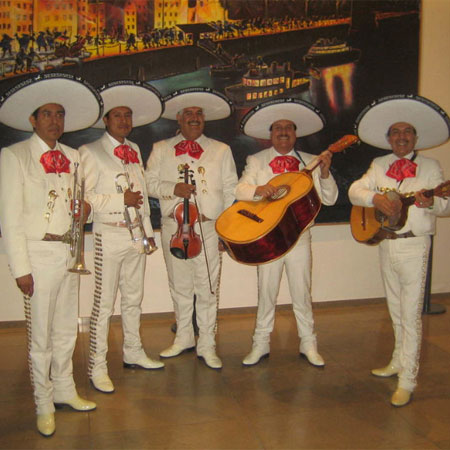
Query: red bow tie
x=402, y=168
x=54, y=161
x=192, y=148
x=126, y=154
x=282, y=164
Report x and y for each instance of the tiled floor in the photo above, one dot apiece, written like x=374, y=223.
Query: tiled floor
x=283, y=403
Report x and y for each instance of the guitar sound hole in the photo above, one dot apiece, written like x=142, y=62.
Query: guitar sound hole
x=281, y=192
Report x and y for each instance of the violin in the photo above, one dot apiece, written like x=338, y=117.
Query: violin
x=185, y=243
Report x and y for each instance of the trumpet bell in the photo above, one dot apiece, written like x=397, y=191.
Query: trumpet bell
x=80, y=269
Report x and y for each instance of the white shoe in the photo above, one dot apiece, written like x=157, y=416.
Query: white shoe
x=144, y=363
x=103, y=383
x=257, y=353
x=313, y=358
x=46, y=424
x=388, y=371
x=401, y=397
x=78, y=404
x=175, y=350
x=211, y=359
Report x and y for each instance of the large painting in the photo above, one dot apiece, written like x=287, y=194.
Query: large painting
x=336, y=54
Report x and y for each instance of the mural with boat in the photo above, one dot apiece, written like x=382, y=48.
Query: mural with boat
x=337, y=54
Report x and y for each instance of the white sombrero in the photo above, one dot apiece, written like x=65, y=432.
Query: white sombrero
x=214, y=104
x=82, y=103
x=307, y=118
x=430, y=121
x=142, y=99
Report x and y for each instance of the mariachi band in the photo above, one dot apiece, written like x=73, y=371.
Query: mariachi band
x=48, y=191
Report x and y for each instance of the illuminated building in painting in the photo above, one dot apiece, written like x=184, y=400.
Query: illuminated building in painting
x=97, y=14
x=168, y=13
x=130, y=18
x=16, y=17
x=56, y=15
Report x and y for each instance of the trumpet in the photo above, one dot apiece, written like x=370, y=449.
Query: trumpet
x=76, y=238
x=148, y=247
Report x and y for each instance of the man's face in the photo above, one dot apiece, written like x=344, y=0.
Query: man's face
x=192, y=122
x=119, y=122
x=402, y=138
x=283, y=136
x=49, y=123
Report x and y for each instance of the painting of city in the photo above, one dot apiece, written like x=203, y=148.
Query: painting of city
x=339, y=55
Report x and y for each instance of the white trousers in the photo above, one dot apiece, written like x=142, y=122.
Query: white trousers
x=189, y=277
x=51, y=315
x=298, y=265
x=404, y=269
x=118, y=265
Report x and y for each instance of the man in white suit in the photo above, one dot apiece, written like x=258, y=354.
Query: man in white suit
x=121, y=243
x=282, y=122
x=212, y=166
x=36, y=193
x=404, y=124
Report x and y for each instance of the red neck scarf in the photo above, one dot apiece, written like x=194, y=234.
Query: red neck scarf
x=192, y=148
x=402, y=168
x=126, y=154
x=285, y=163
x=54, y=161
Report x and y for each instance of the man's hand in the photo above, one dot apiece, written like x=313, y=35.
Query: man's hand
x=386, y=206
x=184, y=190
x=325, y=163
x=266, y=190
x=26, y=284
x=422, y=201
x=133, y=199
x=87, y=211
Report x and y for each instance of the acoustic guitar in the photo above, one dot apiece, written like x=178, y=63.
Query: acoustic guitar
x=257, y=232
x=370, y=226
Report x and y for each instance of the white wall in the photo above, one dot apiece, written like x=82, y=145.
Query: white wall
x=342, y=268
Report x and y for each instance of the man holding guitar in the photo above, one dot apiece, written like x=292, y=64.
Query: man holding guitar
x=282, y=121
x=404, y=124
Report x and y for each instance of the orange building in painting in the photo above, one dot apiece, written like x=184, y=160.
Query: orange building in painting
x=56, y=15
x=16, y=17
x=168, y=13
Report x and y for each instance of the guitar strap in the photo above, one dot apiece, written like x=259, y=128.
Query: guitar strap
x=299, y=157
x=412, y=159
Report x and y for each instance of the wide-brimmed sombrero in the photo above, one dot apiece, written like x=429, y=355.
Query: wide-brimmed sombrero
x=214, y=104
x=81, y=101
x=144, y=100
x=307, y=118
x=430, y=121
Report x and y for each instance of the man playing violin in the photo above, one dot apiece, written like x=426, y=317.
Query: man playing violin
x=282, y=122
x=403, y=124
x=36, y=198
x=120, y=253
x=213, y=178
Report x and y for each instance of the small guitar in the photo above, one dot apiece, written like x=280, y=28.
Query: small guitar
x=370, y=226
x=257, y=232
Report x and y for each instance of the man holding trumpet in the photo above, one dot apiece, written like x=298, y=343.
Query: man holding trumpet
x=122, y=230
x=36, y=194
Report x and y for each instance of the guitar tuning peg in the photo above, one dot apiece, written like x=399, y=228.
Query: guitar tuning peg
x=180, y=167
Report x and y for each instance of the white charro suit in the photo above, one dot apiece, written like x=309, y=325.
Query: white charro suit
x=33, y=203
x=119, y=264
x=215, y=176
x=404, y=261
x=297, y=261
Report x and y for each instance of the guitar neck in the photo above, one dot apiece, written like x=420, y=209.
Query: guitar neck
x=408, y=201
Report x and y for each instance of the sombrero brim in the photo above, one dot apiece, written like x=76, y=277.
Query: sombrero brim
x=215, y=105
x=430, y=121
x=143, y=100
x=81, y=102
x=257, y=122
